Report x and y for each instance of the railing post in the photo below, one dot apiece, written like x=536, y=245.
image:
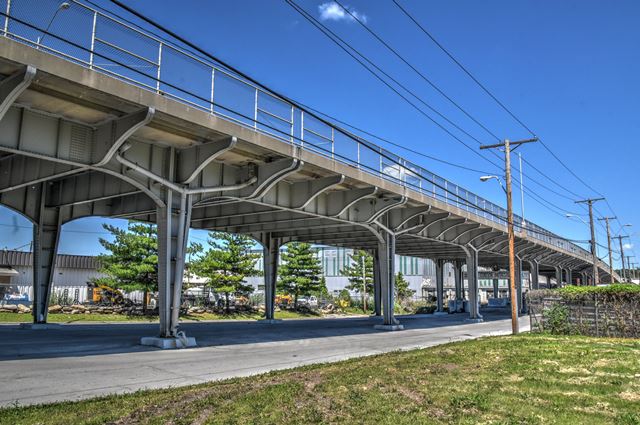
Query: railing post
x=255, y=111
x=93, y=39
x=6, y=19
x=292, y=126
x=333, y=143
x=302, y=128
x=213, y=79
x=358, y=153
x=159, y=67
x=380, y=153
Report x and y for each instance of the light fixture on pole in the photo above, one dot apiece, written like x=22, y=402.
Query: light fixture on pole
x=61, y=7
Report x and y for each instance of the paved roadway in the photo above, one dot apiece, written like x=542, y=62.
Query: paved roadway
x=85, y=360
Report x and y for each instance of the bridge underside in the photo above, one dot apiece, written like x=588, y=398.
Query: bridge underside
x=76, y=143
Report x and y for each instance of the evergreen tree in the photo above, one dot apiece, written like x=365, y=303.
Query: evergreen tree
x=354, y=272
x=300, y=272
x=402, y=287
x=131, y=263
x=227, y=264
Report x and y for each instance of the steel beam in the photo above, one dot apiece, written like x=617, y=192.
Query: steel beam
x=13, y=86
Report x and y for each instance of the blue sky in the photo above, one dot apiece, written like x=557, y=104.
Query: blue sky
x=568, y=69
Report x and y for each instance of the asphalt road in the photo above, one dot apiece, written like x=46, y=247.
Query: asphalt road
x=79, y=361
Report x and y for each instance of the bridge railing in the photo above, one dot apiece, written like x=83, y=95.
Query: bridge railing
x=95, y=38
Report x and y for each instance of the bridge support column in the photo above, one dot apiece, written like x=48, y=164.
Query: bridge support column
x=496, y=288
x=386, y=265
x=569, y=276
x=472, y=278
x=518, y=264
x=559, y=277
x=377, y=285
x=440, y=287
x=535, y=274
x=46, y=234
x=457, y=273
x=173, y=230
x=271, y=252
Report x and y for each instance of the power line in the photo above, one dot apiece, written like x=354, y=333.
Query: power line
x=345, y=47
x=333, y=37
x=501, y=104
x=424, y=77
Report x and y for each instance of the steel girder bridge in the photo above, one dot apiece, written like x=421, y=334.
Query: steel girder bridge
x=99, y=118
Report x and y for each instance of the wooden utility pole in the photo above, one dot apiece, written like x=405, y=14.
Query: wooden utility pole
x=506, y=145
x=620, y=238
x=594, y=251
x=606, y=220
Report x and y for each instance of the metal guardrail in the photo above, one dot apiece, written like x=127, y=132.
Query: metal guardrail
x=99, y=41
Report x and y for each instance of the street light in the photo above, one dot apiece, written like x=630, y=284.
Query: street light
x=576, y=216
x=487, y=178
x=62, y=6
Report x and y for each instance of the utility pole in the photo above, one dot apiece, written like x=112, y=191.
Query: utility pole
x=620, y=238
x=506, y=145
x=594, y=251
x=629, y=267
x=606, y=220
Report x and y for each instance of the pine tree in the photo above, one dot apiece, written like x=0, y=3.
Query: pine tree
x=300, y=272
x=132, y=260
x=402, y=287
x=354, y=272
x=227, y=264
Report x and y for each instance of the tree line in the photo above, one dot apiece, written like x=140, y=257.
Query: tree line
x=130, y=263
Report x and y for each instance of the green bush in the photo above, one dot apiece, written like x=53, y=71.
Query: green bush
x=618, y=291
x=557, y=322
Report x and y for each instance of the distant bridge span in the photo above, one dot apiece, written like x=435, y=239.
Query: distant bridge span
x=82, y=133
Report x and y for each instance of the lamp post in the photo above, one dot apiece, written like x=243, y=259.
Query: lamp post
x=61, y=7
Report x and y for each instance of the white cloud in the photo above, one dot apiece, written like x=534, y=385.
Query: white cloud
x=628, y=246
x=331, y=11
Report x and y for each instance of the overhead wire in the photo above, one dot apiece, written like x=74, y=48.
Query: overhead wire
x=342, y=43
x=500, y=103
x=538, y=199
x=349, y=49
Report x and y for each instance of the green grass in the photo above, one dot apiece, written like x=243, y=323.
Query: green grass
x=97, y=317
x=528, y=379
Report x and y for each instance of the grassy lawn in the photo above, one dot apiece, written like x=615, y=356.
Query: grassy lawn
x=527, y=379
x=97, y=317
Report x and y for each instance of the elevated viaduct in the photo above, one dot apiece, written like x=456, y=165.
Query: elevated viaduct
x=99, y=118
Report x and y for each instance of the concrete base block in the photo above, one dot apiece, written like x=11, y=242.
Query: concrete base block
x=388, y=327
x=40, y=326
x=440, y=313
x=470, y=320
x=168, y=343
x=269, y=321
